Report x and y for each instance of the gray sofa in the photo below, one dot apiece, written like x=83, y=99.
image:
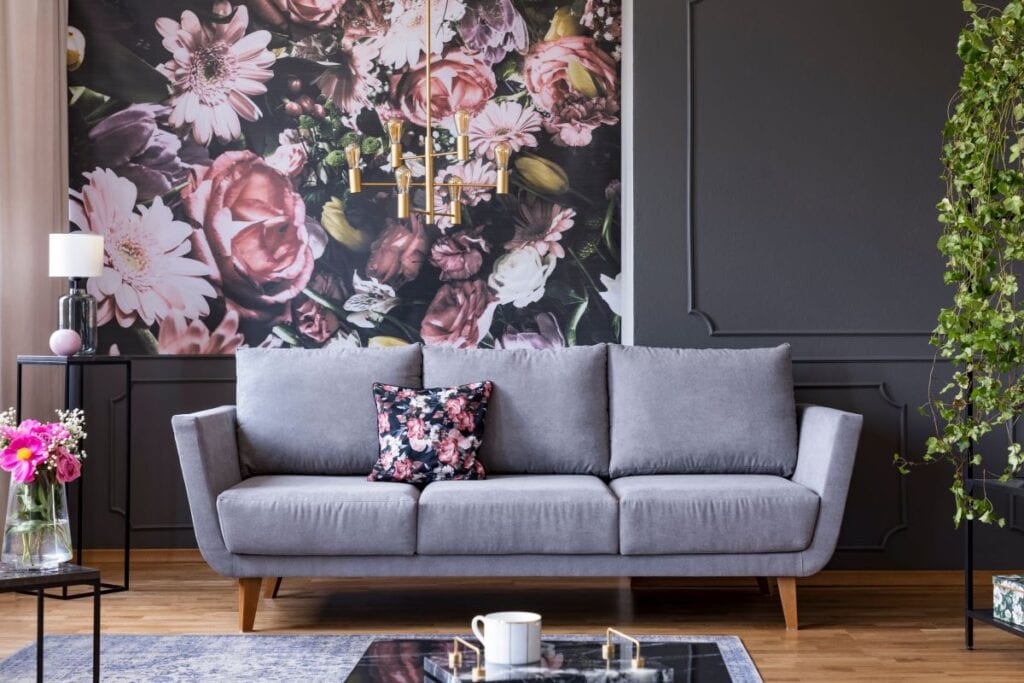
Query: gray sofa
x=601, y=461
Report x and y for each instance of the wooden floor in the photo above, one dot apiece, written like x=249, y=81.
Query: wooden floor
x=849, y=633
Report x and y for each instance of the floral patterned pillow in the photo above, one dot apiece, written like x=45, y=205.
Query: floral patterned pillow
x=430, y=434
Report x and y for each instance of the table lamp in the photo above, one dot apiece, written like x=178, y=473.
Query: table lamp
x=77, y=256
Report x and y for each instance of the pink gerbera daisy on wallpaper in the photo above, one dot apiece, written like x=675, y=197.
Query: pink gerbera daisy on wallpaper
x=146, y=274
x=214, y=70
x=540, y=225
x=508, y=122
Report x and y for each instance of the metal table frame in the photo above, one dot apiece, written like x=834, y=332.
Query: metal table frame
x=1013, y=487
x=68, y=575
x=80, y=363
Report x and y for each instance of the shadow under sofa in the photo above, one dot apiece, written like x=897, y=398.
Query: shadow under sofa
x=601, y=461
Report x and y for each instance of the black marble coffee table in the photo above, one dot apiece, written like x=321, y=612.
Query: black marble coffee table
x=23, y=581
x=414, y=660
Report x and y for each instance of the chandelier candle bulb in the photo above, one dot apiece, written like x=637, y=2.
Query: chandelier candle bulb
x=462, y=134
x=355, y=175
x=502, y=152
x=395, y=136
x=403, y=178
x=455, y=192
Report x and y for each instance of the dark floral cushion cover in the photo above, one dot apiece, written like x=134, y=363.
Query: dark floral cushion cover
x=430, y=434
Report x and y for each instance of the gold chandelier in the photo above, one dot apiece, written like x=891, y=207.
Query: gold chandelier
x=403, y=176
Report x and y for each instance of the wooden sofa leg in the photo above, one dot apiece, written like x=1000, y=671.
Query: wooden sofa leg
x=271, y=584
x=764, y=585
x=248, y=601
x=787, y=592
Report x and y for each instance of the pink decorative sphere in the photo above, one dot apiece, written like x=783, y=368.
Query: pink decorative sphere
x=65, y=343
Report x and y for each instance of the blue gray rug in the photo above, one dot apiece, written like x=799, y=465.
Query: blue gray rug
x=255, y=657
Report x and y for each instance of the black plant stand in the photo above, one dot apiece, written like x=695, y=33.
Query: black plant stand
x=22, y=581
x=76, y=366
x=1014, y=487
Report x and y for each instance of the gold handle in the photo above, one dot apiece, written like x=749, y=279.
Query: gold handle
x=455, y=660
x=608, y=649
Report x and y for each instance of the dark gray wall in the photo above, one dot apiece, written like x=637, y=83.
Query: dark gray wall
x=785, y=192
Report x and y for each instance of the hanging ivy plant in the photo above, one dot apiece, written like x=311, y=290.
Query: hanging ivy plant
x=981, y=333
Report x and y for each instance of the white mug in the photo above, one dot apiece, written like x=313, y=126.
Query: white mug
x=509, y=637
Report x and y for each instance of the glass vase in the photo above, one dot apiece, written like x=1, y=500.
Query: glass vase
x=37, y=535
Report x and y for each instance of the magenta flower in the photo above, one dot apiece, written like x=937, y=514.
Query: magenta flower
x=21, y=457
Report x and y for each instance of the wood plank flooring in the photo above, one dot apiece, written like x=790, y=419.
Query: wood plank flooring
x=883, y=632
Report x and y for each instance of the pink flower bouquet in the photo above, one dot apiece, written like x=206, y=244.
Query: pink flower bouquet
x=42, y=458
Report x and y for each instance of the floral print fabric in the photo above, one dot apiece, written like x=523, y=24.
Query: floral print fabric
x=430, y=434
x=207, y=146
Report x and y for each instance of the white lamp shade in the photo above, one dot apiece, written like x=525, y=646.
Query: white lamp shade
x=76, y=254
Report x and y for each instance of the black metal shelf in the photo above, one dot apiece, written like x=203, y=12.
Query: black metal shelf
x=985, y=615
x=1013, y=487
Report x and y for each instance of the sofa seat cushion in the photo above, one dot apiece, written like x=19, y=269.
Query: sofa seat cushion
x=548, y=413
x=701, y=411
x=671, y=514
x=519, y=514
x=313, y=515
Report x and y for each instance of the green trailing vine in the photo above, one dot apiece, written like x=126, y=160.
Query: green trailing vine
x=981, y=333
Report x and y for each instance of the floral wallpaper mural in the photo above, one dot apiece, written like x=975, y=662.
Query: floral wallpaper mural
x=207, y=147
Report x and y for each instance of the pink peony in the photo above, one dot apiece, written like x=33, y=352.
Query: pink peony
x=69, y=467
x=22, y=456
x=579, y=98
x=540, y=225
x=458, y=81
x=214, y=70
x=459, y=256
x=179, y=336
x=146, y=274
x=254, y=230
x=460, y=315
x=508, y=122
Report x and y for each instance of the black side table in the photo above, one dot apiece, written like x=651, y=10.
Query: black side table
x=1013, y=487
x=21, y=581
x=75, y=367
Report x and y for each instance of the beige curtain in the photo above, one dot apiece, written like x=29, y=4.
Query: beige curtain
x=33, y=190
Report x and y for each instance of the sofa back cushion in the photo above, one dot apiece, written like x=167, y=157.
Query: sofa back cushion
x=689, y=411
x=548, y=412
x=311, y=411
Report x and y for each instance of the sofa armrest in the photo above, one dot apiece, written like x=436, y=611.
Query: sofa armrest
x=825, y=457
x=208, y=450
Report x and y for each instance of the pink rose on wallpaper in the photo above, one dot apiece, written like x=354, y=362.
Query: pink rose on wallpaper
x=290, y=156
x=312, y=13
x=459, y=256
x=458, y=81
x=179, y=336
x=253, y=227
x=578, y=99
x=314, y=321
x=460, y=315
x=398, y=254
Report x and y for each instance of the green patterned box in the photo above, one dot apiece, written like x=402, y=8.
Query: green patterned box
x=1008, y=598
